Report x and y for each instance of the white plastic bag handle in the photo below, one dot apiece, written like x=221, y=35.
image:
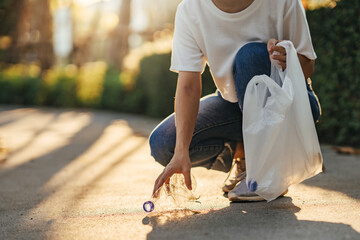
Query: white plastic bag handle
x=268, y=107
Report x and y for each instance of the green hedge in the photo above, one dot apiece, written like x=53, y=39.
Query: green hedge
x=150, y=92
x=18, y=85
x=119, y=96
x=94, y=85
x=336, y=38
x=158, y=85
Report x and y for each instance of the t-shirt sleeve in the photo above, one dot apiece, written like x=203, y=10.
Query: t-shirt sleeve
x=296, y=29
x=186, y=54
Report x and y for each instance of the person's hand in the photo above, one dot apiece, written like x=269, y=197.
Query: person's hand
x=180, y=163
x=280, y=56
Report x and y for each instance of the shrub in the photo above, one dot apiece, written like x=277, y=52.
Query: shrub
x=59, y=88
x=158, y=85
x=336, y=37
x=111, y=90
x=20, y=84
x=89, y=84
x=119, y=93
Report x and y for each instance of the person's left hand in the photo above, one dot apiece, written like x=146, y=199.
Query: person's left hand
x=280, y=56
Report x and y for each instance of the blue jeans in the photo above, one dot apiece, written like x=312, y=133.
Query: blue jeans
x=218, y=126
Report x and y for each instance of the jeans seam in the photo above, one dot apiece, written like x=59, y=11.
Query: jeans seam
x=215, y=125
x=206, y=147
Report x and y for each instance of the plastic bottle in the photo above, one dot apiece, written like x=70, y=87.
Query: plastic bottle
x=175, y=194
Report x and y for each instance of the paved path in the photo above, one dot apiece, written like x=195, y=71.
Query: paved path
x=73, y=174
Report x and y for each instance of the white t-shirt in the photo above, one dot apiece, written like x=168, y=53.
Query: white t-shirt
x=205, y=34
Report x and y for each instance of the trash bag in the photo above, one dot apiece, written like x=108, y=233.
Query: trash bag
x=280, y=139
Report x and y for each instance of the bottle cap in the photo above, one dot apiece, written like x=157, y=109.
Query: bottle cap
x=148, y=206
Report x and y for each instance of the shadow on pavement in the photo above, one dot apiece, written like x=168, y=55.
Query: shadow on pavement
x=274, y=220
x=31, y=176
x=24, y=187
x=340, y=174
x=11, y=114
x=82, y=193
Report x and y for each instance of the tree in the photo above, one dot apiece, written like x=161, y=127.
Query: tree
x=29, y=24
x=119, y=46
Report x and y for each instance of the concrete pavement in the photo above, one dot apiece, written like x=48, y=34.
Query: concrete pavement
x=78, y=174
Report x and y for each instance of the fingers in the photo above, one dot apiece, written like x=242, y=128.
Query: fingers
x=187, y=176
x=271, y=42
x=282, y=64
x=163, y=177
x=156, y=186
x=279, y=49
x=281, y=58
x=178, y=164
x=277, y=53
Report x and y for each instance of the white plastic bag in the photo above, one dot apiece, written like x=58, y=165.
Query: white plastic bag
x=280, y=140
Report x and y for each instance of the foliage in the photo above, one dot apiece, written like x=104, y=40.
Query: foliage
x=158, y=85
x=89, y=83
x=7, y=16
x=19, y=84
x=119, y=94
x=96, y=85
x=336, y=38
x=92, y=85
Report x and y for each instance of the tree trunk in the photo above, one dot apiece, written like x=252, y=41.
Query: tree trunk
x=12, y=54
x=32, y=35
x=119, y=46
x=42, y=28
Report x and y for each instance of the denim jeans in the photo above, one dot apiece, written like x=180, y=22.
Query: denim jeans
x=218, y=125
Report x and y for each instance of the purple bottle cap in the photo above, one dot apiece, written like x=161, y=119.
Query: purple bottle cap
x=148, y=206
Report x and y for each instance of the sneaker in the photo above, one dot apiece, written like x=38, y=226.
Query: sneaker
x=243, y=193
x=240, y=174
x=239, y=162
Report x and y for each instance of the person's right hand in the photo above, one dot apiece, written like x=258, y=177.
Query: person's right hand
x=180, y=163
x=280, y=57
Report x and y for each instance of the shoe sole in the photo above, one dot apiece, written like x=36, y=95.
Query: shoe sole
x=251, y=198
x=247, y=199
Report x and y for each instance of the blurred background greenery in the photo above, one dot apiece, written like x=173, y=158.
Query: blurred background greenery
x=115, y=54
